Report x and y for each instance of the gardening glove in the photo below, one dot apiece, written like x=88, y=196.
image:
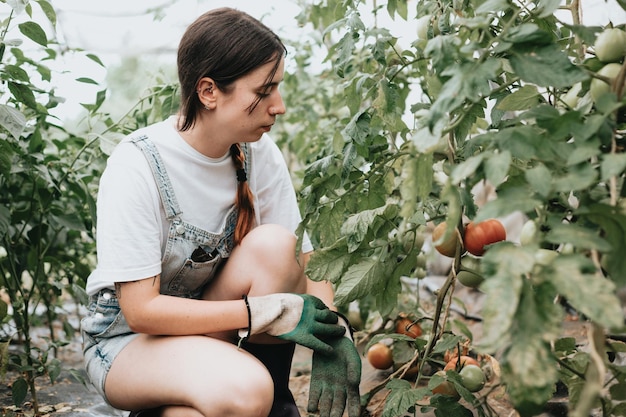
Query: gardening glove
x=335, y=379
x=300, y=318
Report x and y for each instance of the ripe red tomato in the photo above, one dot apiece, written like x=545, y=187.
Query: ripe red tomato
x=379, y=356
x=405, y=326
x=479, y=235
x=448, y=246
x=464, y=360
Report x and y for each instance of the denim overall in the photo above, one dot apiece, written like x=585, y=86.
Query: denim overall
x=192, y=258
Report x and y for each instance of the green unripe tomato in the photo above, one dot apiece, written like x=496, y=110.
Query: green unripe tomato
x=610, y=45
x=528, y=234
x=469, y=274
x=545, y=256
x=470, y=279
x=422, y=26
x=473, y=378
x=598, y=87
x=571, y=97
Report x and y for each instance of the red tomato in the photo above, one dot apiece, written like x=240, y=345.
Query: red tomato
x=465, y=360
x=479, y=235
x=379, y=356
x=405, y=326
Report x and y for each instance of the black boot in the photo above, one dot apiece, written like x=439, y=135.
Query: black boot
x=277, y=359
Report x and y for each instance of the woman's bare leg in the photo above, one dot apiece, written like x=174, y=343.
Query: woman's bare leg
x=264, y=263
x=208, y=375
x=203, y=373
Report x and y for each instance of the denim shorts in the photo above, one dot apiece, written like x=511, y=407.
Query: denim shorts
x=105, y=333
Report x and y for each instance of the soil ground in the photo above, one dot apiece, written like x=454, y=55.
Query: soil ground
x=69, y=397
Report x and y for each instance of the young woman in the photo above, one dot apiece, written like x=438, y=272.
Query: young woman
x=198, y=298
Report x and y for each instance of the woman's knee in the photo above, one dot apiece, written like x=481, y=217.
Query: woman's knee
x=252, y=396
x=272, y=249
x=271, y=240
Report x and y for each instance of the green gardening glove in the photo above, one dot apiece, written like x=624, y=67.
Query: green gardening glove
x=335, y=380
x=300, y=318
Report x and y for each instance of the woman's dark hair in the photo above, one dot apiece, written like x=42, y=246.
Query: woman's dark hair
x=225, y=44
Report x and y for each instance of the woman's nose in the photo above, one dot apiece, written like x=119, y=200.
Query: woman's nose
x=278, y=107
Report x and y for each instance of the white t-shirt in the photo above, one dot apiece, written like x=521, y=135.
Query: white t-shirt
x=132, y=226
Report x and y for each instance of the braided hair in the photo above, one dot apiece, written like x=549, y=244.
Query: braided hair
x=244, y=198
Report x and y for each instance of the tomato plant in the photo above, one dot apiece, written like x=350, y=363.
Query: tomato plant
x=490, y=99
x=479, y=235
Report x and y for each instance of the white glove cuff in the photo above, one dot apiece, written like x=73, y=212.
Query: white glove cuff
x=345, y=323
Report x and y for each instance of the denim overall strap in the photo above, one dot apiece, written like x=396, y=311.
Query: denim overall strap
x=168, y=198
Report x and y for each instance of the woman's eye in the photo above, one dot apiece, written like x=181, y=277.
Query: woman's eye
x=266, y=92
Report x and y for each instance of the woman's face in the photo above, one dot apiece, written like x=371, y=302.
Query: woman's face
x=233, y=109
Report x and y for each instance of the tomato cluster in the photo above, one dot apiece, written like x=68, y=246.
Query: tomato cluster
x=610, y=49
x=476, y=237
x=472, y=376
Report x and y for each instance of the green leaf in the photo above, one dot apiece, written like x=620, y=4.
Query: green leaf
x=529, y=368
x=582, y=153
x=48, y=10
x=33, y=31
x=591, y=294
x=23, y=94
x=5, y=220
x=86, y=80
x=361, y=279
x=402, y=397
x=612, y=165
x=540, y=179
x=546, y=66
x=95, y=59
x=497, y=167
x=493, y=6
x=329, y=263
x=578, y=178
x=19, y=389
x=527, y=33
x=525, y=98
x=446, y=406
x=356, y=226
x=546, y=8
x=509, y=200
x=12, y=120
x=54, y=369
x=4, y=310
x=579, y=236
x=469, y=81
x=503, y=266
x=397, y=6
x=466, y=168
x=357, y=130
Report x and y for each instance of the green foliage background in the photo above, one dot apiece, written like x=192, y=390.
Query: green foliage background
x=490, y=76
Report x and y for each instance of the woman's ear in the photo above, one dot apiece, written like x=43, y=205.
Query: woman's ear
x=206, y=92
